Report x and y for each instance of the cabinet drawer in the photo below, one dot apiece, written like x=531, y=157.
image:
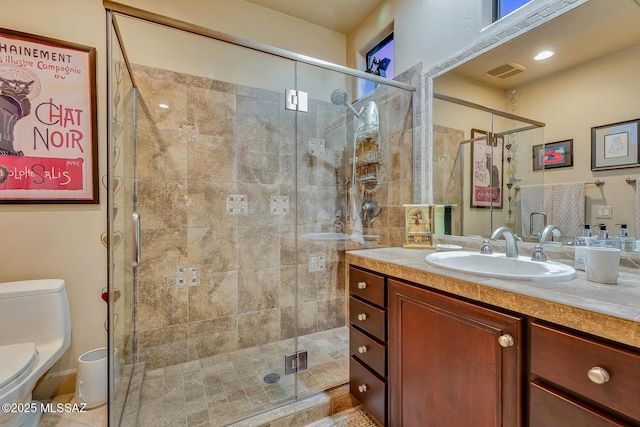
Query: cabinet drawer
x=367, y=286
x=367, y=350
x=567, y=360
x=370, y=390
x=552, y=409
x=368, y=318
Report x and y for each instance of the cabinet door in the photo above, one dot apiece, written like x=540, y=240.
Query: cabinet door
x=447, y=366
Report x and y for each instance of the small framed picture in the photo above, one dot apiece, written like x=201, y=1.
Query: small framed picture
x=486, y=169
x=615, y=146
x=553, y=155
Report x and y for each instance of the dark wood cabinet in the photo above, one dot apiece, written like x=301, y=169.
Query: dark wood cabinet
x=581, y=378
x=368, y=341
x=422, y=358
x=451, y=363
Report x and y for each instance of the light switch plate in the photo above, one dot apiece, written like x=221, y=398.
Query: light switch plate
x=604, y=212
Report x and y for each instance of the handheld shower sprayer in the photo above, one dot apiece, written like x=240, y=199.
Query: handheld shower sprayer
x=339, y=97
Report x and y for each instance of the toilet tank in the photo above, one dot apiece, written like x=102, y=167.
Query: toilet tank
x=35, y=311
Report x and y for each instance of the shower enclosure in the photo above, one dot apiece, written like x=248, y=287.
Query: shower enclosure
x=229, y=218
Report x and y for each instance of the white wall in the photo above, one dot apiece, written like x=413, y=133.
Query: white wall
x=597, y=93
x=63, y=241
x=247, y=20
x=425, y=31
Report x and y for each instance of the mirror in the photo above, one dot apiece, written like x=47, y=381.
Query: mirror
x=590, y=82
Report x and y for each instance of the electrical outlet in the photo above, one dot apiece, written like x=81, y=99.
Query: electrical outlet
x=604, y=212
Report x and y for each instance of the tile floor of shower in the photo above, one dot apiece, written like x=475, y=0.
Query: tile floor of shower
x=225, y=388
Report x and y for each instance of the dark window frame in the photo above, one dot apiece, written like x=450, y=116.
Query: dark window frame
x=496, y=9
x=371, y=53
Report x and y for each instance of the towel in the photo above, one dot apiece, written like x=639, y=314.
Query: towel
x=442, y=219
x=531, y=201
x=438, y=219
x=564, y=206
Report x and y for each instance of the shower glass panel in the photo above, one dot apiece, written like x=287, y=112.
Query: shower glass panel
x=481, y=161
x=214, y=186
x=121, y=207
x=246, y=210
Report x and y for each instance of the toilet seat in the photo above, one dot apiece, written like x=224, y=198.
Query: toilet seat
x=17, y=359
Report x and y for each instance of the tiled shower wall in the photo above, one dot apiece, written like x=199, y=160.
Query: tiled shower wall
x=399, y=124
x=216, y=176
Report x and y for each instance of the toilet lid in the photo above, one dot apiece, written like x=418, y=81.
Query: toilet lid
x=16, y=359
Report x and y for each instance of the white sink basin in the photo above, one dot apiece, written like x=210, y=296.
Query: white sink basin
x=499, y=266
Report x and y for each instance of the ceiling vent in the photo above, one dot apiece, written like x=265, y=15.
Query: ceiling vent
x=506, y=70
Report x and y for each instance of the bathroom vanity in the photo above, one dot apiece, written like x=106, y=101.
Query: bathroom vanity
x=431, y=347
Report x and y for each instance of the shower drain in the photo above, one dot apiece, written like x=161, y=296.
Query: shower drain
x=271, y=378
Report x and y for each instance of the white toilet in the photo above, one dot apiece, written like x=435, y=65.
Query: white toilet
x=35, y=330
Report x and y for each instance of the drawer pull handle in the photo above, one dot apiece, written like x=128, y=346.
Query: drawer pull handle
x=506, y=340
x=598, y=375
x=362, y=316
x=362, y=388
x=362, y=285
x=362, y=349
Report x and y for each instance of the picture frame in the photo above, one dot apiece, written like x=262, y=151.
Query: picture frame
x=553, y=155
x=486, y=173
x=615, y=146
x=48, y=110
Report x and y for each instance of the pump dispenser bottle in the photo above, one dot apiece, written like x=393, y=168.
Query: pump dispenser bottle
x=580, y=251
x=625, y=242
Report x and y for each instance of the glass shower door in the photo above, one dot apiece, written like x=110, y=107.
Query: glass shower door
x=215, y=190
x=121, y=175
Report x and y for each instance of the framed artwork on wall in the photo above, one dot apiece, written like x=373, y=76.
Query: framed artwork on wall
x=615, y=146
x=486, y=169
x=553, y=155
x=48, y=120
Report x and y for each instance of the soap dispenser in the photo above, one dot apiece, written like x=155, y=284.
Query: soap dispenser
x=602, y=231
x=580, y=248
x=625, y=242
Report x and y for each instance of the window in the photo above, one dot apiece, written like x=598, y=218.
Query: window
x=380, y=58
x=502, y=8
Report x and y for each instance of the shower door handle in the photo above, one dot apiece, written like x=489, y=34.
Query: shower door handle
x=136, y=238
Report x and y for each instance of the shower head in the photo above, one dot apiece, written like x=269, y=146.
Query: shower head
x=339, y=97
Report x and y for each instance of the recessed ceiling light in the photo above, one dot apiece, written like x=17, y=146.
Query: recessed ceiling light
x=543, y=55
x=163, y=106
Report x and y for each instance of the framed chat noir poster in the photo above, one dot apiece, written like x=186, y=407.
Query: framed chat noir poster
x=48, y=131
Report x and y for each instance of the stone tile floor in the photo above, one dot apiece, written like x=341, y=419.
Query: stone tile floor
x=226, y=388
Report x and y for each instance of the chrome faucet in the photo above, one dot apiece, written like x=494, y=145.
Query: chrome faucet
x=550, y=229
x=509, y=238
x=486, y=245
x=545, y=239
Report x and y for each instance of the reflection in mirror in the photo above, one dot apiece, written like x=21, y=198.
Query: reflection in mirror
x=590, y=82
x=482, y=157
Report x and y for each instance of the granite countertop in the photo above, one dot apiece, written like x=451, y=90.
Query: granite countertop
x=608, y=311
